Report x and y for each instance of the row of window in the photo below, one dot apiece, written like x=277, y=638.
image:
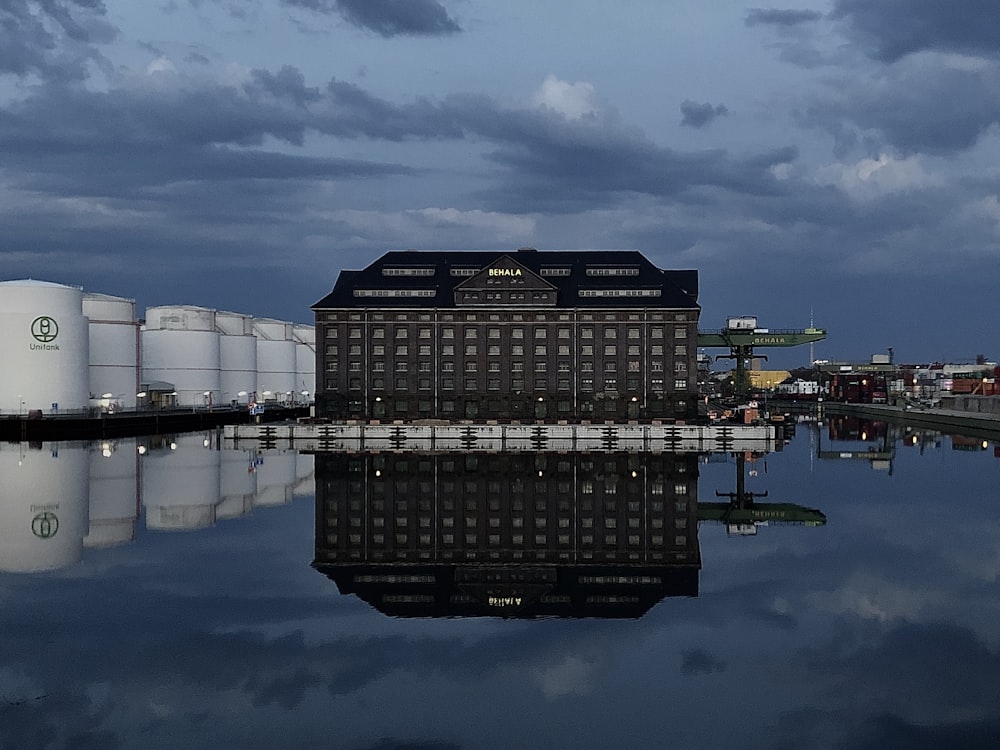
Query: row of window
x=516, y=350
x=545, y=271
x=513, y=316
x=496, y=366
x=517, y=383
x=541, y=332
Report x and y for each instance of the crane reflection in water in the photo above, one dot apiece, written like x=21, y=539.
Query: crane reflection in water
x=532, y=534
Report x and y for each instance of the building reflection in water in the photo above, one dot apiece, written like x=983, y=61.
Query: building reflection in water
x=58, y=499
x=512, y=535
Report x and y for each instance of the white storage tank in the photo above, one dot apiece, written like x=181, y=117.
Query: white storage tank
x=180, y=483
x=114, y=348
x=45, y=347
x=305, y=475
x=114, y=493
x=237, y=357
x=238, y=483
x=43, y=506
x=305, y=362
x=275, y=359
x=180, y=345
x=276, y=477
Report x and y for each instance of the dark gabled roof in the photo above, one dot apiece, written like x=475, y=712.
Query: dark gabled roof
x=678, y=289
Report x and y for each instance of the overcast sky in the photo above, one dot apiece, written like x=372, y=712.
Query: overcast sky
x=828, y=157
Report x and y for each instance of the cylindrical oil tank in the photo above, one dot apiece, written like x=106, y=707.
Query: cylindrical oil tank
x=275, y=477
x=114, y=348
x=275, y=359
x=180, y=482
x=305, y=362
x=180, y=345
x=45, y=347
x=114, y=493
x=238, y=472
x=43, y=505
x=237, y=357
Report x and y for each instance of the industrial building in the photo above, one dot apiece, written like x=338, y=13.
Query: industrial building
x=601, y=335
x=69, y=352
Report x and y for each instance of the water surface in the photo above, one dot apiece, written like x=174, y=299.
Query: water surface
x=177, y=604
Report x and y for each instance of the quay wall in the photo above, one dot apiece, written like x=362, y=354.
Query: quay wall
x=494, y=437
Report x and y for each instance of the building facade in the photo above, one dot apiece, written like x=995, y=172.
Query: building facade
x=521, y=335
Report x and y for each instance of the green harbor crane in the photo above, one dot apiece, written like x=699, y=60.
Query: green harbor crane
x=742, y=335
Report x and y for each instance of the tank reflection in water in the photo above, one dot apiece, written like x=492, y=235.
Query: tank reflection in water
x=58, y=499
x=520, y=535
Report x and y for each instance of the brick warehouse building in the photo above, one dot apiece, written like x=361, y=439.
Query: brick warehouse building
x=508, y=335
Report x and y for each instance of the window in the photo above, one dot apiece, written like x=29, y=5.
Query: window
x=470, y=384
x=493, y=384
x=610, y=366
x=610, y=333
x=680, y=384
x=564, y=333
x=447, y=350
x=493, y=333
x=540, y=349
x=390, y=271
x=424, y=350
x=620, y=293
x=394, y=292
x=355, y=333
x=471, y=333
x=564, y=350
x=680, y=350
x=657, y=350
x=331, y=350
x=471, y=366
x=611, y=384
x=610, y=350
x=540, y=366
x=400, y=384
x=447, y=333
x=587, y=350
x=633, y=333
x=401, y=367
x=517, y=350
x=680, y=333
x=354, y=367
x=402, y=350
x=470, y=349
x=447, y=367
x=378, y=366
x=425, y=333
x=656, y=333
x=493, y=350
x=633, y=351
x=378, y=333
x=517, y=333
x=402, y=333
x=378, y=350
x=517, y=366
x=587, y=366
x=587, y=333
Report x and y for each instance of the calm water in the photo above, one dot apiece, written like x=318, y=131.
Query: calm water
x=158, y=596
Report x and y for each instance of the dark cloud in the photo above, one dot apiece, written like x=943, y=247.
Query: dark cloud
x=913, y=107
x=780, y=17
x=699, y=114
x=388, y=18
x=395, y=743
x=696, y=661
x=891, y=29
x=52, y=39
